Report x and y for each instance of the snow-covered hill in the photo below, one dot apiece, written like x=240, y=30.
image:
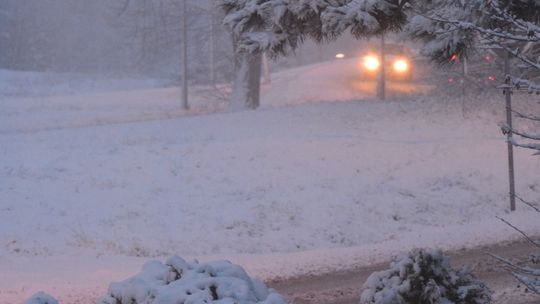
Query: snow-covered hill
x=92, y=184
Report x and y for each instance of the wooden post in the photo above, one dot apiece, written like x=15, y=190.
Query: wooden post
x=463, y=84
x=185, y=104
x=508, y=96
x=381, y=83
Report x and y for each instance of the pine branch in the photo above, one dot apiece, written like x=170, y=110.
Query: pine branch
x=519, y=23
x=520, y=56
x=464, y=25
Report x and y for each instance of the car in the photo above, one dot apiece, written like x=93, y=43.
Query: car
x=398, y=63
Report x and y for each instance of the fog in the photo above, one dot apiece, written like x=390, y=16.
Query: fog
x=127, y=37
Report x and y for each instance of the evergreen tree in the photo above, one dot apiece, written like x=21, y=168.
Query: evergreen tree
x=279, y=26
x=423, y=277
x=510, y=25
x=455, y=27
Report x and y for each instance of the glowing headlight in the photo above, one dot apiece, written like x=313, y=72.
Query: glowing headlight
x=401, y=66
x=371, y=63
x=340, y=56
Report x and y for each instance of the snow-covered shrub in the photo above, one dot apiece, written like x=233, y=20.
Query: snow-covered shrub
x=41, y=298
x=424, y=277
x=178, y=281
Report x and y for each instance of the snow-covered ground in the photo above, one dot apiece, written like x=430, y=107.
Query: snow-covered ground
x=30, y=83
x=320, y=178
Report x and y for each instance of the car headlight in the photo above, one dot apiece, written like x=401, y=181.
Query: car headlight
x=401, y=66
x=371, y=63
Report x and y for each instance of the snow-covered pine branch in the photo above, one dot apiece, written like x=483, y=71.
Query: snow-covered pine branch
x=279, y=26
x=453, y=27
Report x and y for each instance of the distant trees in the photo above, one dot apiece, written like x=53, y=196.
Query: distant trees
x=58, y=35
x=130, y=36
x=156, y=30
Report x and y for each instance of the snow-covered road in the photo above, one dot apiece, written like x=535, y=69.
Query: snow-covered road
x=344, y=287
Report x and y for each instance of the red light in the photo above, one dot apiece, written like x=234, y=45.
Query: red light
x=450, y=80
x=491, y=78
x=453, y=57
x=488, y=58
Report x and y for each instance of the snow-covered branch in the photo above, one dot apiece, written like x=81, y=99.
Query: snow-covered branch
x=526, y=116
x=279, y=26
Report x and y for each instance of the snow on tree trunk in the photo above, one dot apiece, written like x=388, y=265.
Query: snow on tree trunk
x=247, y=84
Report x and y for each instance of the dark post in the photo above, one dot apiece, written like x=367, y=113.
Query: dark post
x=463, y=83
x=508, y=96
x=212, y=46
x=381, y=83
x=185, y=104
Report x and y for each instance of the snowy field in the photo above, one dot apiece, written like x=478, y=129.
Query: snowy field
x=321, y=178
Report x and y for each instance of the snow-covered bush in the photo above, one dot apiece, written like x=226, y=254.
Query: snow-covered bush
x=423, y=277
x=41, y=298
x=178, y=281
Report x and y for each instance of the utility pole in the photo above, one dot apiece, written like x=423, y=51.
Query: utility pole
x=185, y=104
x=381, y=83
x=508, y=96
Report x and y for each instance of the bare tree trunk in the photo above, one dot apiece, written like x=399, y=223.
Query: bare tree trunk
x=247, y=86
x=320, y=52
x=299, y=56
x=266, y=69
x=185, y=104
x=212, y=47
